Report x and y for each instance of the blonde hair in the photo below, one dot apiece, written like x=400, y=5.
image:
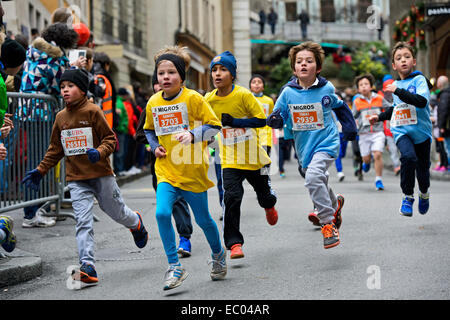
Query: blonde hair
x=181, y=52
x=315, y=48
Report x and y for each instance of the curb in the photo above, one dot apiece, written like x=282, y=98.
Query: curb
x=19, y=266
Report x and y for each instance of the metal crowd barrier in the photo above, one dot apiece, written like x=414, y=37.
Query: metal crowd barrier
x=27, y=143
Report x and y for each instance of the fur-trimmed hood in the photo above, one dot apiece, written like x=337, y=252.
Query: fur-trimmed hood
x=41, y=49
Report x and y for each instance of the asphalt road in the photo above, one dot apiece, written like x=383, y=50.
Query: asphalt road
x=382, y=254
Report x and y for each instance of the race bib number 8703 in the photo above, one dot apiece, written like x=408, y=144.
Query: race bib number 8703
x=170, y=119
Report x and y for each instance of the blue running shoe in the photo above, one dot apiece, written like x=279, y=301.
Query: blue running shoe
x=366, y=166
x=424, y=202
x=407, y=206
x=7, y=225
x=379, y=185
x=86, y=275
x=140, y=234
x=184, y=249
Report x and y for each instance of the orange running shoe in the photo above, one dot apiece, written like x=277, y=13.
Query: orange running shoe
x=330, y=235
x=236, y=251
x=271, y=216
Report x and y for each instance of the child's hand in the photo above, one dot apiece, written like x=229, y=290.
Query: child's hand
x=93, y=155
x=3, y=152
x=184, y=137
x=160, y=152
x=5, y=130
x=373, y=119
x=391, y=88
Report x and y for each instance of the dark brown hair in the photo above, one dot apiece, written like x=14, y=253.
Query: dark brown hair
x=367, y=76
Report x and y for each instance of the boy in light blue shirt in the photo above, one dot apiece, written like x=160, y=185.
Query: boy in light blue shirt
x=411, y=127
x=304, y=107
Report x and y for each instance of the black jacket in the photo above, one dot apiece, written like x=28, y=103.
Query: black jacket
x=443, y=116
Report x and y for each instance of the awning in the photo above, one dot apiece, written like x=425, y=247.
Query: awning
x=294, y=43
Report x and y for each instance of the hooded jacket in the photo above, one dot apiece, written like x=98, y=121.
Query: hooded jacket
x=324, y=138
x=43, y=67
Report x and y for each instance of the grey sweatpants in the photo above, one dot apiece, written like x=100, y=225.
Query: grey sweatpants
x=316, y=180
x=107, y=193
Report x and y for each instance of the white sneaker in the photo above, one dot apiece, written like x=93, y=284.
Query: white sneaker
x=39, y=221
x=174, y=276
x=219, y=265
x=341, y=176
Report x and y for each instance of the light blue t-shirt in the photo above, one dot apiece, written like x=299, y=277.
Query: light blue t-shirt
x=322, y=139
x=421, y=131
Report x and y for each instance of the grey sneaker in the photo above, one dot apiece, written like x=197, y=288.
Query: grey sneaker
x=219, y=265
x=174, y=276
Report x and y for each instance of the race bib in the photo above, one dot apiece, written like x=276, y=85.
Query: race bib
x=307, y=117
x=266, y=108
x=232, y=136
x=403, y=115
x=366, y=113
x=76, y=141
x=170, y=119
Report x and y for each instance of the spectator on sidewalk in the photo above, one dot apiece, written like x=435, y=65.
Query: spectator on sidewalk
x=45, y=63
x=262, y=21
x=272, y=19
x=304, y=21
x=102, y=64
x=443, y=114
x=121, y=131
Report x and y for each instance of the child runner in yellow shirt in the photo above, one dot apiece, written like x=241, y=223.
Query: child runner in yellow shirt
x=257, y=84
x=241, y=153
x=178, y=122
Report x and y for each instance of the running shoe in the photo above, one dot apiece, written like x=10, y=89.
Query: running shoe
x=236, y=251
x=140, y=235
x=314, y=218
x=424, y=202
x=39, y=221
x=219, y=265
x=379, y=185
x=337, y=214
x=7, y=225
x=271, y=216
x=341, y=176
x=330, y=236
x=86, y=275
x=407, y=206
x=366, y=167
x=184, y=248
x=282, y=175
x=174, y=276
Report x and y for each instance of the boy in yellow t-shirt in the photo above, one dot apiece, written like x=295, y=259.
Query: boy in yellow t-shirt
x=178, y=124
x=241, y=154
x=257, y=84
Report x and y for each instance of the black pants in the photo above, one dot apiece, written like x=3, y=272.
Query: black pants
x=233, y=194
x=415, y=162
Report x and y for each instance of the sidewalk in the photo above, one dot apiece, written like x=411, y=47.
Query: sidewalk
x=20, y=266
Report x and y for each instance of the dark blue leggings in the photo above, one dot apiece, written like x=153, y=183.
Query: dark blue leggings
x=415, y=162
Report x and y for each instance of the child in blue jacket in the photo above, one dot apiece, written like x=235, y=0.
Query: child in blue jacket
x=305, y=106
